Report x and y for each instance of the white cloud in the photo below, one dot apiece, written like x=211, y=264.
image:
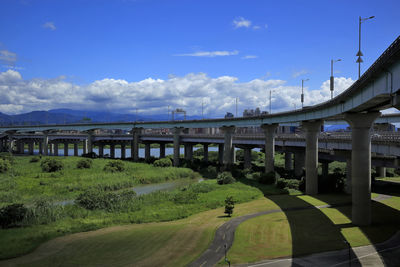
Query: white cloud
x=8, y=57
x=210, y=54
x=256, y=27
x=296, y=74
x=241, y=22
x=152, y=96
x=249, y=57
x=49, y=25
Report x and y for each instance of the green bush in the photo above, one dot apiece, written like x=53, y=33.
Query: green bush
x=7, y=156
x=202, y=187
x=93, y=199
x=289, y=183
x=51, y=165
x=268, y=178
x=114, y=166
x=84, y=164
x=4, y=165
x=12, y=215
x=34, y=159
x=184, y=197
x=229, y=205
x=210, y=172
x=43, y=212
x=225, y=178
x=164, y=162
x=281, y=183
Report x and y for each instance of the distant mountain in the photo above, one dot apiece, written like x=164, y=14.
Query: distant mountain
x=66, y=116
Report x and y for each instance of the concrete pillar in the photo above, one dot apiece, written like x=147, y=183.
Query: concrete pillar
x=45, y=144
x=10, y=143
x=85, y=146
x=288, y=161
x=177, y=145
x=112, y=150
x=123, y=151
x=55, y=149
x=162, y=150
x=221, y=153
x=20, y=147
x=360, y=124
x=233, y=153
x=299, y=163
x=147, y=150
x=247, y=158
x=205, y=154
x=311, y=130
x=381, y=171
x=90, y=141
x=135, y=143
x=40, y=147
x=228, y=132
x=188, y=151
x=269, y=132
x=65, y=149
x=30, y=148
x=325, y=169
x=101, y=150
x=348, y=176
x=76, y=151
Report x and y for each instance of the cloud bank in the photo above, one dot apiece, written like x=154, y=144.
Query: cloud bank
x=152, y=96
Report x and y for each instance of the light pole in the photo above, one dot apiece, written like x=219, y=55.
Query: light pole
x=302, y=92
x=332, y=78
x=270, y=101
x=359, y=53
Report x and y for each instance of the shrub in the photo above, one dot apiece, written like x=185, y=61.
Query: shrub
x=7, y=156
x=202, y=187
x=34, y=159
x=229, y=205
x=51, y=165
x=91, y=155
x=4, y=165
x=186, y=196
x=93, y=199
x=268, y=178
x=281, y=183
x=114, y=166
x=12, y=215
x=210, y=172
x=84, y=164
x=164, y=162
x=225, y=178
x=289, y=183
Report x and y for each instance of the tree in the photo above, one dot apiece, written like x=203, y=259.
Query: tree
x=229, y=205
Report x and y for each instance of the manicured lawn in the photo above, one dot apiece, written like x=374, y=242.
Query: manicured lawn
x=390, y=179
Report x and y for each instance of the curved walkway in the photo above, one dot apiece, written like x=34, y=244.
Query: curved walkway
x=225, y=234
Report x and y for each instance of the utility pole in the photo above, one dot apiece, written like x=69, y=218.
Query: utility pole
x=202, y=109
x=359, y=53
x=302, y=92
x=237, y=99
x=332, y=84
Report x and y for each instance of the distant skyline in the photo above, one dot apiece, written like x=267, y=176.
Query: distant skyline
x=124, y=55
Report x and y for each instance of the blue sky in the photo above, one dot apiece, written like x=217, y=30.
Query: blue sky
x=92, y=47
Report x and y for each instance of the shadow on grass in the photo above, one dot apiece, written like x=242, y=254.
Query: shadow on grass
x=312, y=231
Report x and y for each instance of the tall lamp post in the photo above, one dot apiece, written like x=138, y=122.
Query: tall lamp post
x=359, y=53
x=270, y=101
x=302, y=92
x=332, y=78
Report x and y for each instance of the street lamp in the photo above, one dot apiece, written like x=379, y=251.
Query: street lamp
x=359, y=53
x=270, y=101
x=332, y=79
x=302, y=91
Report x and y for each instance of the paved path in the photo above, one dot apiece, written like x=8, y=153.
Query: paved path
x=224, y=236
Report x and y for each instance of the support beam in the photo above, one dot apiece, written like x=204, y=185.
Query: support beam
x=56, y=149
x=65, y=149
x=76, y=150
x=247, y=158
x=348, y=176
x=10, y=143
x=85, y=146
x=269, y=132
x=162, y=150
x=381, y=172
x=30, y=147
x=312, y=130
x=221, y=153
x=147, y=149
x=40, y=147
x=112, y=150
x=135, y=143
x=51, y=149
x=123, y=151
x=45, y=143
x=90, y=141
x=177, y=145
x=188, y=151
x=101, y=150
x=288, y=161
x=205, y=152
x=360, y=124
x=228, y=132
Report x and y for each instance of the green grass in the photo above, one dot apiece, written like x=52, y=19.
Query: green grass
x=390, y=179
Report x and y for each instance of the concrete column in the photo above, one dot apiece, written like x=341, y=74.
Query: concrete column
x=45, y=144
x=76, y=151
x=135, y=143
x=177, y=144
x=381, y=171
x=205, y=155
x=123, y=151
x=162, y=150
x=20, y=147
x=101, y=150
x=30, y=148
x=85, y=146
x=247, y=158
x=40, y=148
x=348, y=176
x=55, y=149
x=312, y=129
x=112, y=150
x=147, y=151
x=228, y=132
x=65, y=149
x=325, y=169
x=360, y=124
x=90, y=142
x=188, y=151
x=221, y=153
x=10, y=143
x=288, y=161
x=299, y=163
x=233, y=153
x=269, y=132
